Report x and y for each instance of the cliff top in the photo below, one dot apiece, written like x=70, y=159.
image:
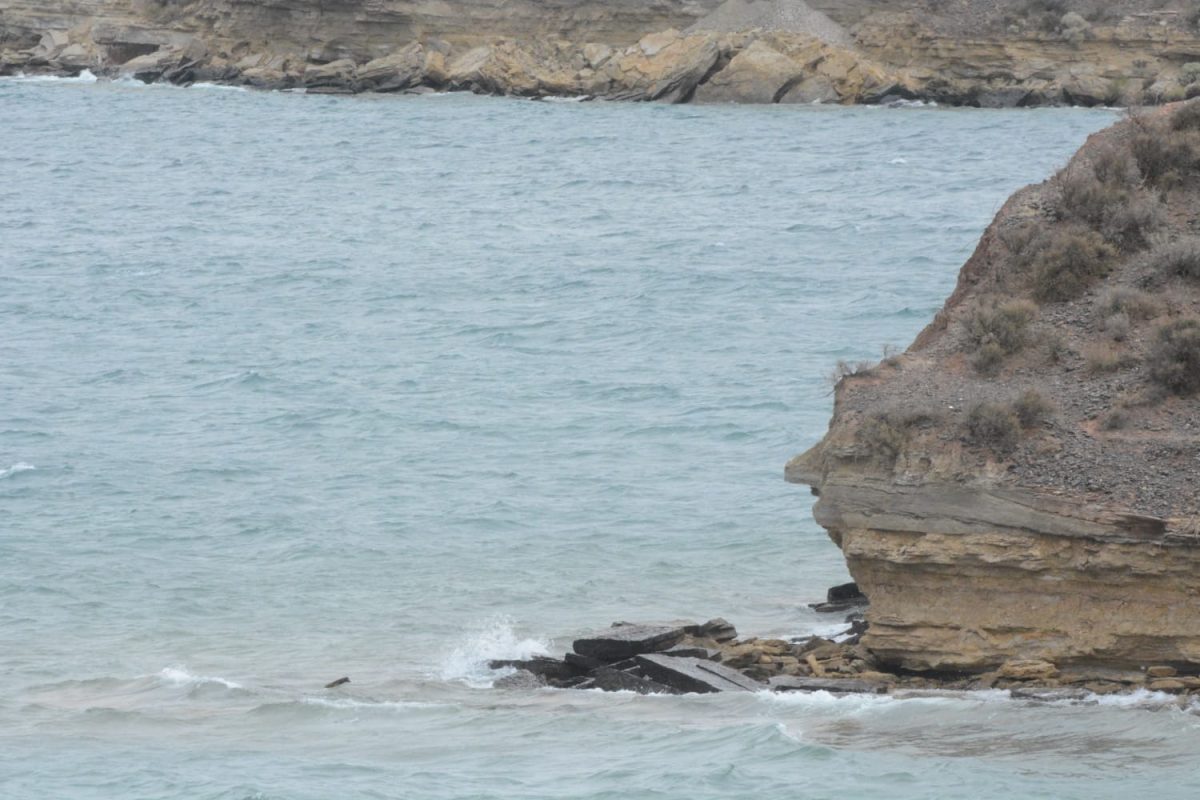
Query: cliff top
x=1068, y=358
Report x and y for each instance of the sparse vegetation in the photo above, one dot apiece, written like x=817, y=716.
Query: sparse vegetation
x=1105, y=194
x=1074, y=28
x=1132, y=303
x=1174, y=361
x=856, y=369
x=995, y=426
x=1117, y=326
x=988, y=358
x=1074, y=259
x=1187, y=118
x=1115, y=420
x=1181, y=257
x=1105, y=357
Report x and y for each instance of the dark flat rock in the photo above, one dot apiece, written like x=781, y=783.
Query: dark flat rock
x=550, y=668
x=695, y=674
x=625, y=641
x=615, y=680
x=790, y=683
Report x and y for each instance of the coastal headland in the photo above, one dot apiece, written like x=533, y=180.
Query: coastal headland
x=974, y=53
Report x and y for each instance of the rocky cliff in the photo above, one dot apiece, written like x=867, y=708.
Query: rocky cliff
x=1024, y=481
x=971, y=52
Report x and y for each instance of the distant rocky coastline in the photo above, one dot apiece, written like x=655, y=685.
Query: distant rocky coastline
x=739, y=51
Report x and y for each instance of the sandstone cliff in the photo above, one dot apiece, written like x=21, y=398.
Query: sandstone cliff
x=1024, y=481
x=972, y=52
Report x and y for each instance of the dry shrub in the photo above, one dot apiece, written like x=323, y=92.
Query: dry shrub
x=1117, y=326
x=1174, y=360
x=1006, y=325
x=994, y=425
x=1165, y=157
x=1103, y=358
x=1073, y=260
x=988, y=359
x=1115, y=420
x=1134, y=304
x=1187, y=117
x=1104, y=194
x=1031, y=408
x=885, y=434
x=1180, y=257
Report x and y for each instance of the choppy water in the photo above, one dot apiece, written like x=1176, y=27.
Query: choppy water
x=297, y=387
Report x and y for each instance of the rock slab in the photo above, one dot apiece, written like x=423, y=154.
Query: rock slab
x=696, y=675
x=626, y=641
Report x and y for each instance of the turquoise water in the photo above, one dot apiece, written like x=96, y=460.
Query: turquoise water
x=300, y=387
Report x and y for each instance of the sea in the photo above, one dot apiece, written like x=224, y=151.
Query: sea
x=301, y=387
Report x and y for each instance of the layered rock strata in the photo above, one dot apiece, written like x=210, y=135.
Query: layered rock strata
x=748, y=51
x=1024, y=481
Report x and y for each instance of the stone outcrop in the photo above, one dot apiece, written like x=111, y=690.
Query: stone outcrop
x=1020, y=487
x=764, y=51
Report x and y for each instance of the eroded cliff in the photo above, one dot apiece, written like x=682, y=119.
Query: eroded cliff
x=1024, y=481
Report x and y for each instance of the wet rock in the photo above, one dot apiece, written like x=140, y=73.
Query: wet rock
x=841, y=598
x=521, y=679
x=1166, y=685
x=795, y=683
x=337, y=683
x=695, y=675
x=584, y=663
x=626, y=641
x=549, y=668
x=615, y=680
x=718, y=630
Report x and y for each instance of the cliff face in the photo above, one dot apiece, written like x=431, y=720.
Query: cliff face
x=972, y=52
x=1024, y=482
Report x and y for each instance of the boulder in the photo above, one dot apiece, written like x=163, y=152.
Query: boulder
x=394, y=72
x=695, y=674
x=665, y=66
x=625, y=641
x=814, y=89
x=719, y=630
x=794, y=683
x=336, y=76
x=172, y=62
x=758, y=74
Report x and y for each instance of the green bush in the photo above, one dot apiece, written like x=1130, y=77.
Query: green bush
x=1074, y=259
x=1174, y=360
x=995, y=426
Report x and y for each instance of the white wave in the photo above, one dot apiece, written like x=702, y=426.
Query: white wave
x=16, y=469
x=346, y=702
x=87, y=76
x=220, y=87
x=495, y=640
x=898, y=160
x=571, y=98
x=180, y=676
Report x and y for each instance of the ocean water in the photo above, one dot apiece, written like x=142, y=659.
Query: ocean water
x=300, y=387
